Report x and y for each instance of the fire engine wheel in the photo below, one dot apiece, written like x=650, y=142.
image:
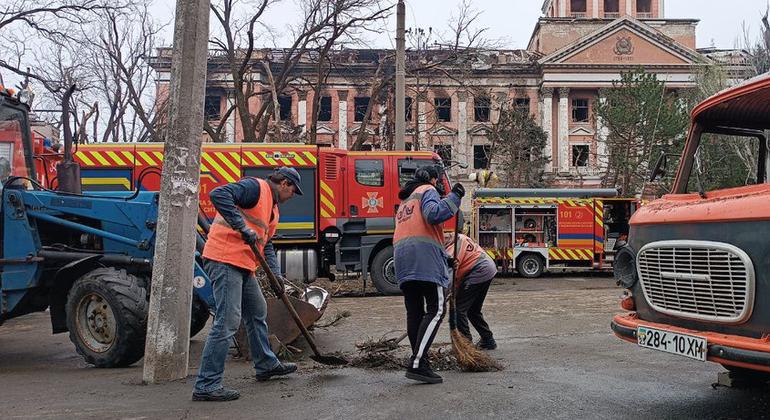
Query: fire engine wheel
x=383, y=272
x=530, y=265
x=199, y=315
x=107, y=317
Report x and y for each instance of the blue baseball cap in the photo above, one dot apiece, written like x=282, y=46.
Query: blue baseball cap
x=292, y=175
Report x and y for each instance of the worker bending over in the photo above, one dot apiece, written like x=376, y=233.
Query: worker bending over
x=475, y=271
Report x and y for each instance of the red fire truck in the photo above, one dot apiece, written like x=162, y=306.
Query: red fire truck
x=344, y=222
x=532, y=230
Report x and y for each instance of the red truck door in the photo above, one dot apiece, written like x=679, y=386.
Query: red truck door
x=370, y=192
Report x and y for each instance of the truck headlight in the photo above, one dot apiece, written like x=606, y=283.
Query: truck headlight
x=624, y=268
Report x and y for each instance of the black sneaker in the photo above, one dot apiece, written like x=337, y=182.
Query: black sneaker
x=221, y=394
x=280, y=370
x=488, y=344
x=424, y=374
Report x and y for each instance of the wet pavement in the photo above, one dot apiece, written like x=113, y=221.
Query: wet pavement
x=560, y=358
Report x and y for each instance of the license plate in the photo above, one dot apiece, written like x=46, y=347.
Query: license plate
x=685, y=345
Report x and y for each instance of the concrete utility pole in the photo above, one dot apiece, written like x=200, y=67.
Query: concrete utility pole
x=400, y=76
x=168, y=325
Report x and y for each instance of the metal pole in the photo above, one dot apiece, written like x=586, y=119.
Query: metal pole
x=400, y=76
x=168, y=325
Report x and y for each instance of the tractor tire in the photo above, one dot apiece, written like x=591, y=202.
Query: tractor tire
x=383, y=272
x=107, y=317
x=530, y=265
x=199, y=315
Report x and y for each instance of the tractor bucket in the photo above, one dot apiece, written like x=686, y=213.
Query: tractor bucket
x=310, y=306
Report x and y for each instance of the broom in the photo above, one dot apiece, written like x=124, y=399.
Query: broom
x=469, y=358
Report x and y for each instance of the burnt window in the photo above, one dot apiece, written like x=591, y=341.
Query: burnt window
x=408, y=102
x=284, y=102
x=578, y=6
x=444, y=151
x=643, y=6
x=481, y=156
x=443, y=109
x=481, y=106
x=325, y=110
x=611, y=6
x=580, y=110
x=212, y=109
x=521, y=105
x=580, y=155
x=360, y=103
x=370, y=172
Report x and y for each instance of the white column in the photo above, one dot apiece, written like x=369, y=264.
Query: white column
x=461, y=151
x=230, y=123
x=662, y=9
x=595, y=5
x=422, y=118
x=302, y=111
x=564, y=129
x=547, y=125
x=343, y=120
x=562, y=8
x=602, y=131
x=629, y=8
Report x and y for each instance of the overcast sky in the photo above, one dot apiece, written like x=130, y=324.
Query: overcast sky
x=512, y=21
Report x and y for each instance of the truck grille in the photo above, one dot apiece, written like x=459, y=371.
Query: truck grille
x=710, y=281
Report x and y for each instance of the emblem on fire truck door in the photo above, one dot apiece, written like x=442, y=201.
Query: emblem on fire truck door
x=372, y=202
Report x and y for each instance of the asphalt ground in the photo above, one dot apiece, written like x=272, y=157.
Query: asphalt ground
x=560, y=358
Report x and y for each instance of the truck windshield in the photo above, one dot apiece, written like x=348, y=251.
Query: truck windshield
x=15, y=144
x=726, y=161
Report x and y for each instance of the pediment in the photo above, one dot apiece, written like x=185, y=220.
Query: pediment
x=443, y=131
x=480, y=130
x=369, y=130
x=625, y=41
x=582, y=131
x=322, y=129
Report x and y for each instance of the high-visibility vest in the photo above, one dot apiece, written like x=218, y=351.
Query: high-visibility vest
x=469, y=254
x=410, y=223
x=224, y=244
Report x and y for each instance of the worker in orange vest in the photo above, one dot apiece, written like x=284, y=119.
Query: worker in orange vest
x=422, y=264
x=247, y=214
x=475, y=271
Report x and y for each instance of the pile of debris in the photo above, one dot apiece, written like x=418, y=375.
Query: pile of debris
x=388, y=354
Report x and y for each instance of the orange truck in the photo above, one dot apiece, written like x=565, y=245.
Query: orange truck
x=343, y=223
x=534, y=230
x=695, y=267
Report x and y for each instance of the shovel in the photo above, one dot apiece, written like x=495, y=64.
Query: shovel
x=281, y=293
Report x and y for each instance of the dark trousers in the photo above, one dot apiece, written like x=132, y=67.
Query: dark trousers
x=470, y=299
x=425, y=308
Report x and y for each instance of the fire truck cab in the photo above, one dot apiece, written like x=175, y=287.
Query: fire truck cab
x=533, y=230
x=696, y=267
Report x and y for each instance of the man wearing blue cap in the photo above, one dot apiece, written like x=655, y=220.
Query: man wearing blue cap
x=247, y=214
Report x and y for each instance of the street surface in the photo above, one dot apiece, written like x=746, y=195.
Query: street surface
x=553, y=335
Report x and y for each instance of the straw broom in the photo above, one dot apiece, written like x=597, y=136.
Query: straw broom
x=469, y=358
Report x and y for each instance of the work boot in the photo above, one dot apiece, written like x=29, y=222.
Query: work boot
x=221, y=394
x=281, y=370
x=423, y=374
x=487, y=344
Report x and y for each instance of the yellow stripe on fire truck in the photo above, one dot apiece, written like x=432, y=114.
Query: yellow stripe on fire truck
x=327, y=200
x=570, y=254
x=569, y=202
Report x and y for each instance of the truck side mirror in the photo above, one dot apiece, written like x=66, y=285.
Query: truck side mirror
x=660, y=167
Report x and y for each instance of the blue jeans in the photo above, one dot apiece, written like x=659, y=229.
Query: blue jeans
x=234, y=289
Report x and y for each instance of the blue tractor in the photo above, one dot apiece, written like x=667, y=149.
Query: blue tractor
x=86, y=258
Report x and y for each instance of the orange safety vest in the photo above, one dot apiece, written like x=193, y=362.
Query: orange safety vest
x=410, y=223
x=224, y=244
x=470, y=254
